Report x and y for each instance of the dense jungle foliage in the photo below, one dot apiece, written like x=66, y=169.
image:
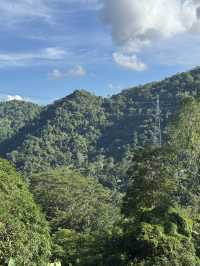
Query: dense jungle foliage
x=14, y=115
x=24, y=233
x=111, y=195
x=77, y=208
x=92, y=134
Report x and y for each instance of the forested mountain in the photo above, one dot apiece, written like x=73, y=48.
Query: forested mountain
x=159, y=223
x=150, y=214
x=93, y=134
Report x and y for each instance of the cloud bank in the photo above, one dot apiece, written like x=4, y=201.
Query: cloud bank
x=16, y=11
x=28, y=58
x=136, y=25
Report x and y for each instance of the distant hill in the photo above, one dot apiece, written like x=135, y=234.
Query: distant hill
x=95, y=134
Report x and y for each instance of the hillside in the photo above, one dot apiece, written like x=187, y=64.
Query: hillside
x=155, y=223
x=133, y=110
x=15, y=115
x=95, y=134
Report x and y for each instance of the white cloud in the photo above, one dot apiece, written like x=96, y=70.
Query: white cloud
x=55, y=74
x=14, y=98
x=14, y=11
x=23, y=59
x=76, y=71
x=129, y=62
x=136, y=25
x=51, y=53
x=4, y=97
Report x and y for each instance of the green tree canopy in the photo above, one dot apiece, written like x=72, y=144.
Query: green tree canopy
x=81, y=213
x=151, y=182
x=161, y=205
x=87, y=132
x=161, y=236
x=184, y=139
x=72, y=201
x=24, y=232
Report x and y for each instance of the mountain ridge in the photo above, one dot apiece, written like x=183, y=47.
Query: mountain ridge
x=92, y=133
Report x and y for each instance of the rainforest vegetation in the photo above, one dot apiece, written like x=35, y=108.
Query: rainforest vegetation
x=115, y=181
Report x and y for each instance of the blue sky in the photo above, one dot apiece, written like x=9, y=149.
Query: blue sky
x=50, y=48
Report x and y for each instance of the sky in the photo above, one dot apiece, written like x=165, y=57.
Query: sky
x=49, y=48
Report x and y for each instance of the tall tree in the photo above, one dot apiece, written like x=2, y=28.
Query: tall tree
x=80, y=212
x=162, y=201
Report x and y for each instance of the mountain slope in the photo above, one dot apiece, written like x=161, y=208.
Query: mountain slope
x=133, y=110
x=95, y=134
x=64, y=133
x=15, y=115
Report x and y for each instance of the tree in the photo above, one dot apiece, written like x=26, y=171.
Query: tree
x=160, y=236
x=184, y=138
x=157, y=229
x=162, y=202
x=24, y=234
x=78, y=210
x=150, y=181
